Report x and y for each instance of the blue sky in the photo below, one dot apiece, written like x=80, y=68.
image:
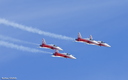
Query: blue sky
x=104, y=20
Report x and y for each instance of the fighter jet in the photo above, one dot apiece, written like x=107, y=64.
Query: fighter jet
x=101, y=43
x=86, y=40
x=50, y=46
x=64, y=55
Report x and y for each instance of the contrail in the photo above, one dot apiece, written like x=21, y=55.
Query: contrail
x=3, y=37
x=19, y=47
x=34, y=30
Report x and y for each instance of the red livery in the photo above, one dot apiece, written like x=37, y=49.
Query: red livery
x=86, y=40
x=44, y=45
x=64, y=55
x=91, y=41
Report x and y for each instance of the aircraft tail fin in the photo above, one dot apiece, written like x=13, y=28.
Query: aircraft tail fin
x=91, y=38
x=43, y=41
x=79, y=35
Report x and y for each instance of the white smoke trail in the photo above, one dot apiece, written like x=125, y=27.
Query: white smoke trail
x=34, y=30
x=19, y=47
x=3, y=37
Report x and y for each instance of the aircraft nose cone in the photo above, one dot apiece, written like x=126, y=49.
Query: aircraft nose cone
x=59, y=48
x=109, y=46
x=74, y=58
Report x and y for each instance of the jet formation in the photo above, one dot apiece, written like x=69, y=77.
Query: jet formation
x=56, y=48
x=89, y=40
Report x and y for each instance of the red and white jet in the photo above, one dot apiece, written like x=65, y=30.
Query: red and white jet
x=91, y=41
x=101, y=43
x=64, y=55
x=50, y=46
x=86, y=40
